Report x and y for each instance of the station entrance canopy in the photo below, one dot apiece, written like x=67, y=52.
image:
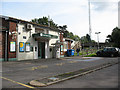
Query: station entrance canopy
x=44, y=37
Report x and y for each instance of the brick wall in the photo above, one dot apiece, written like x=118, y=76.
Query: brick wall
x=61, y=37
x=3, y=23
x=12, y=27
x=61, y=40
x=69, y=44
x=1, y=46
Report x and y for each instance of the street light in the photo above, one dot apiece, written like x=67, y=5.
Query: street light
x=98, y=38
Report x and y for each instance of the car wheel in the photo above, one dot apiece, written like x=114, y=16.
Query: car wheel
x=112, y=55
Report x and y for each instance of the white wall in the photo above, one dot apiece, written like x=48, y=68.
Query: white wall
x=47, y=50
x=26, y=55
x=53, y=41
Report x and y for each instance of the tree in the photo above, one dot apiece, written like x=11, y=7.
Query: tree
x=45, y=21
x=63, y=27
x=114, y=37
x=87, y=39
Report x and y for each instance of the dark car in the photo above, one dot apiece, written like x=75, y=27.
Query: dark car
x=109, y=51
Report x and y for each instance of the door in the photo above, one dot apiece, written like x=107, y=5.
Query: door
x=41, y=50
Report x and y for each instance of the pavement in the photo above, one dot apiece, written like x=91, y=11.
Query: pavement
x=17, y=74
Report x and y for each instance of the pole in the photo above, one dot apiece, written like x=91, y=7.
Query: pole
x=6, y=46
x=98, y=38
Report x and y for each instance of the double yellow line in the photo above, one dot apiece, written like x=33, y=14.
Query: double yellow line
x=17, y=83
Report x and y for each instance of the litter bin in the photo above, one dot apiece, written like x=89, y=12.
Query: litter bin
x=70, y=52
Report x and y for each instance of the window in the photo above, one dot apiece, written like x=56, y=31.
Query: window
x=23, y=28
x=24, y=37
x=35, y=48
x=31, y=49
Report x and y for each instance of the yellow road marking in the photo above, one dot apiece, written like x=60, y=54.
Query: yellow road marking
x=39, y=67
x=27, y=63
x=60, y=64
x=17, y=82
x=73, y=61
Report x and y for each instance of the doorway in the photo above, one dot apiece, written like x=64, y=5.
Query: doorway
x=41, y=49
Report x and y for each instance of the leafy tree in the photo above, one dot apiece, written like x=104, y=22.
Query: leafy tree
x=87, y=39
x=45, y=21
x=63, y=27
x=70, y=35
x=114, y=37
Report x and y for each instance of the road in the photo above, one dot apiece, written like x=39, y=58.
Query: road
x=18, y=74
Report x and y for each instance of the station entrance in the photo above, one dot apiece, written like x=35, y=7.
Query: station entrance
x=41, y=49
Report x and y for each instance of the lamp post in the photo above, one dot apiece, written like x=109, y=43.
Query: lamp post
x=98, y=38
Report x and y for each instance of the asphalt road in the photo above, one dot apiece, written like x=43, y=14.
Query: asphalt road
x=18, y=74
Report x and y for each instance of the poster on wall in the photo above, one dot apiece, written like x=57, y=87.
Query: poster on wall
x=12, y=47
x=21, y=46
x=27, y=47
x=61, y=47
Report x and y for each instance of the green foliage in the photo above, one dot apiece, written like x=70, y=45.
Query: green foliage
x=86, y=39
x=114, y=37
x=45, y=21
x=70, y=35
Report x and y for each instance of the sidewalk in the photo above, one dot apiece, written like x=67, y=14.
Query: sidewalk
x=71, y=57
x=44, y=60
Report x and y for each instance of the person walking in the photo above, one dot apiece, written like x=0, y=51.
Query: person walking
x=78, y=50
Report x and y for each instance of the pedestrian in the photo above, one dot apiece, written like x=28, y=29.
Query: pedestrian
x=78, y=50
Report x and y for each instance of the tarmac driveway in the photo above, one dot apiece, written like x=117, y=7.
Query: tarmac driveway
x=18, y=74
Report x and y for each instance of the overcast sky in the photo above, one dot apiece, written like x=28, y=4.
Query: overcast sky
x=73, y=13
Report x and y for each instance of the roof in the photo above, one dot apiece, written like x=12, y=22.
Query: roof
x=15, y=19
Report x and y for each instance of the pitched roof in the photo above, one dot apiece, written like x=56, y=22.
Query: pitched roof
x=15, y=19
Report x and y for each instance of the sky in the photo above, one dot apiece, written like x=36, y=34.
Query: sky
x=73, y=13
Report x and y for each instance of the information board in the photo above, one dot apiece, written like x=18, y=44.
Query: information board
x=21, y=46
x=12, y=46
x=27, y=47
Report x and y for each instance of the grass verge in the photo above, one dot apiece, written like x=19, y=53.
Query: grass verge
x=91, y=55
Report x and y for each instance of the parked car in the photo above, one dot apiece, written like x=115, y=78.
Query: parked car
x=109, y=51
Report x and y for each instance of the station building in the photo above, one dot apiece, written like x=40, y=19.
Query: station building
x=24, y=40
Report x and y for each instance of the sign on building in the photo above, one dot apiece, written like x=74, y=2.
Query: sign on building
x=21, y=46
x=12, y=47
x=27, y=47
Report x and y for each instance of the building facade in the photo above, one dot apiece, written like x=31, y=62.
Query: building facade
x=23, y=40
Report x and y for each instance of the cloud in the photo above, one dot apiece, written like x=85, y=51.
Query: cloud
x=73, y=13
x=101, y=6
